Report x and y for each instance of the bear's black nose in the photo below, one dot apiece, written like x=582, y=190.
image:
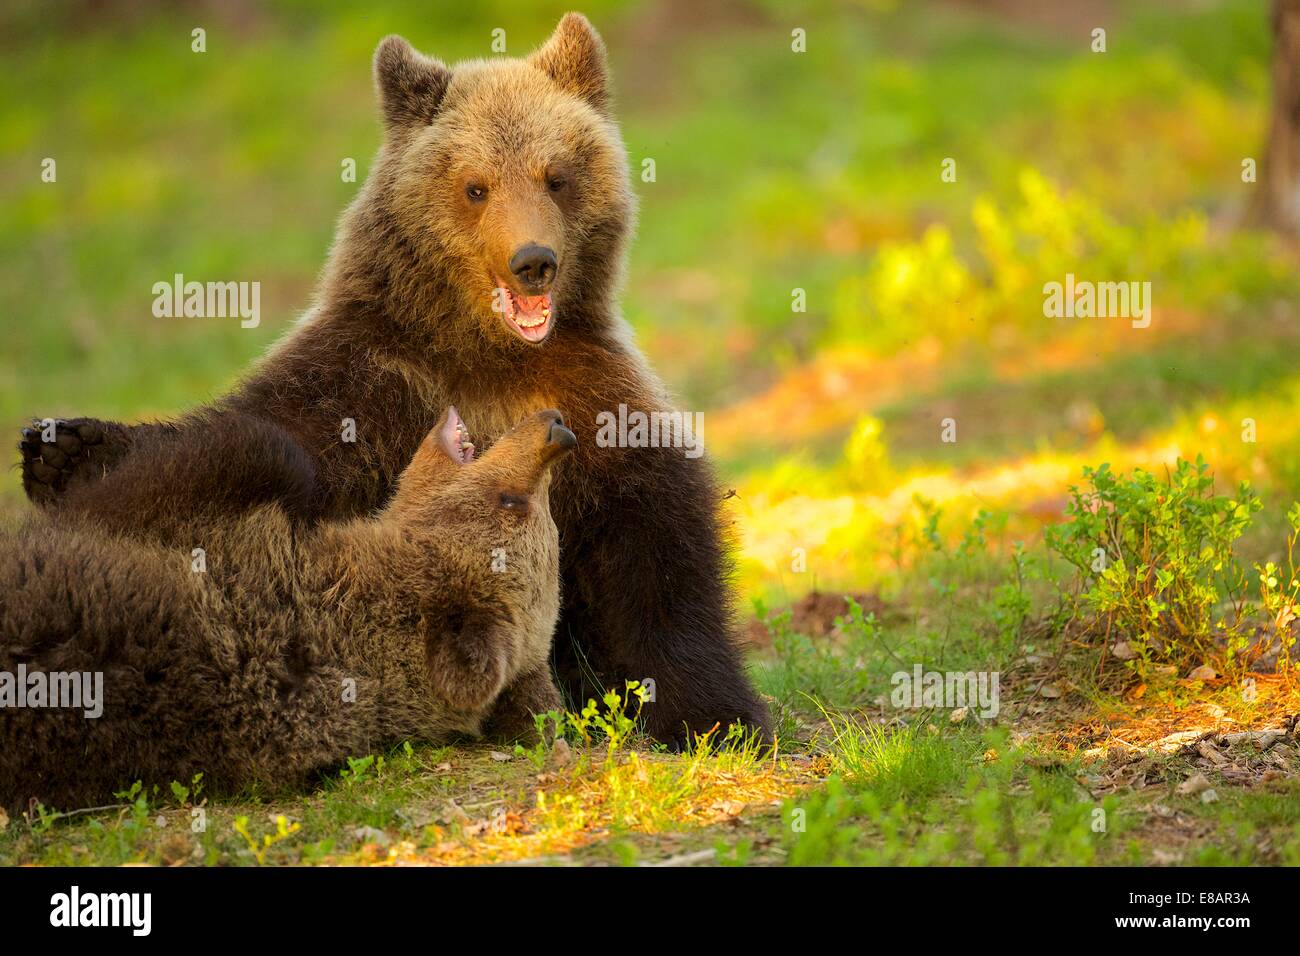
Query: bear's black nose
x=534, y=266
x=561, y=437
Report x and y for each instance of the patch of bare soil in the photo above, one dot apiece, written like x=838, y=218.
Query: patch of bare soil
x=814, y=614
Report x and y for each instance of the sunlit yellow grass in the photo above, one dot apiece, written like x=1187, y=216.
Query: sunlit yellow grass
x=626, y=792
x=848, y=539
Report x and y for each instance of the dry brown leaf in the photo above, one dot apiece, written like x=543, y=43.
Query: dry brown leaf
x=1170, y=743
x=1211, y=753
x=731, y=808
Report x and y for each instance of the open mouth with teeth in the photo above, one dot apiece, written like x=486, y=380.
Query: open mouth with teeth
x=528, y=316
x=455, y=438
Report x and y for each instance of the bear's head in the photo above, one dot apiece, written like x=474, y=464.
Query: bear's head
x=492, y=504
x=504, y=183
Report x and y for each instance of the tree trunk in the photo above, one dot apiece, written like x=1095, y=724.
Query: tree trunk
x=1277, y=202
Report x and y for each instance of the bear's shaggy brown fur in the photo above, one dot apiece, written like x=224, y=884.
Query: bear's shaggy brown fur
x=478, y=267
x=294, y=648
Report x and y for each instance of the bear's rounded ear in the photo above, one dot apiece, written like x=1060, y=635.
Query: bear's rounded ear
x=574, y=57
x=411, y=85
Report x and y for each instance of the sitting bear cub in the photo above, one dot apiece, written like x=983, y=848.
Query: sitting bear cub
x=269, y=650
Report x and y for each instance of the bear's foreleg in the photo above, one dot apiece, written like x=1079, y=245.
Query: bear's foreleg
x=512, y=716
x=467, y=654
x=58, y=454
x=179, y=477
x=647, y=598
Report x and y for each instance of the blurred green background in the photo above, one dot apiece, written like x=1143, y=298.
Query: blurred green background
x=775, y=171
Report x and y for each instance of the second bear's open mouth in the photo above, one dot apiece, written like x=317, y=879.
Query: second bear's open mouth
x=528, y=316
x=455, y=438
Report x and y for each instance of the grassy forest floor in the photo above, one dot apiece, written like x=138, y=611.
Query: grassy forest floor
x=1184, y=773
x=1146, y=709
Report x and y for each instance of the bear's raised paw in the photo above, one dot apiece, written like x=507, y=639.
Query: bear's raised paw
x=48, y=466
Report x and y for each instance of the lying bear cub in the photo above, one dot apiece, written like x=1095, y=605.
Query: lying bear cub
x=271, y=650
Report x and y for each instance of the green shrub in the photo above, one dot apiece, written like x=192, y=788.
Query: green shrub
x=1155, y=557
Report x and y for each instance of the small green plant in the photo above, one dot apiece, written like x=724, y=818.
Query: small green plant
x=183, y=793
x=283, y=830
x=138, y=797
x=975, y=540
x=613, y=721
x=358, y=768
x=1279, y=591
x=1155, y=557
x=928, y=525
x=1011, y=604
x=550, y=727
x=41, y=818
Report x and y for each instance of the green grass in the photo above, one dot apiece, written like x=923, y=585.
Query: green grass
x=854, y=782
x=903, y=797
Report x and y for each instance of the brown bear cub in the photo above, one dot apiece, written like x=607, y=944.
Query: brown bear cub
x=478, y=267
x=284, y=650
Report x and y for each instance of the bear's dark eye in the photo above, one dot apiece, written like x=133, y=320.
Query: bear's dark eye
x=476, y=192
x=556, y=183
x=513, y=502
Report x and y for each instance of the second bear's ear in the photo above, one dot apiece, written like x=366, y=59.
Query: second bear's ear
x=411, y=85
x=574, y=57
